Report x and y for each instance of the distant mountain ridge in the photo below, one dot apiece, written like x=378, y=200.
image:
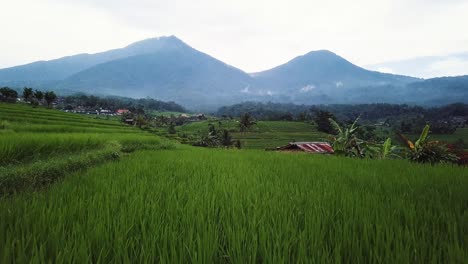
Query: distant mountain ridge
x=61, y=68
x=168, y=69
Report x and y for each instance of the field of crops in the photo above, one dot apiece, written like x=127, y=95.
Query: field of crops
x=265, y=134
x=202, y=205
x=157, y=201
x=39, y=145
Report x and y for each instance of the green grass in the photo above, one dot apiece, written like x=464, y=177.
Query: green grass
x=204, y=205
x=37, y=144
x=166, y=113
x=460, y=133
x=121, y=194
x=266, y=134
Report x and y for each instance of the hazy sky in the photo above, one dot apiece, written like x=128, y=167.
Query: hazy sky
x=250, y=34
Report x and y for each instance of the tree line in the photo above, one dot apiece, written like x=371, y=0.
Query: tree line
x=116, y=102
x=401, y=117
x=35, y=97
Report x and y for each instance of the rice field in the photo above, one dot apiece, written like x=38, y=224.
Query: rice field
x=118, y=194
x=203, y=205
x=265, y=134
x=31, y=139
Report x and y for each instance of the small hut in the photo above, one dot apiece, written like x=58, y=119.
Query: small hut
x=309, y=147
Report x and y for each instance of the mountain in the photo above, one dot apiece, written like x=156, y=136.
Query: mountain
x=166, y=68
x=180, y=73
x=56, y=70
x=322, y=73
x=437, y=91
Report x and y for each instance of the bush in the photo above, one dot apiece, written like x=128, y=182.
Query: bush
x=432, y=152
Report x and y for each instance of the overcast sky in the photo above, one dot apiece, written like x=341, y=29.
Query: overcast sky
x=252, y=35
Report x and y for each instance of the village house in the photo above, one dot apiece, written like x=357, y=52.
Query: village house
x=309, y=147
x=122, y=111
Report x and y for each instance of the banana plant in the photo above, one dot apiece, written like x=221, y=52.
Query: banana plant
x=384, y=151
x=346, y=141
x=424, y=151
x=419, y=142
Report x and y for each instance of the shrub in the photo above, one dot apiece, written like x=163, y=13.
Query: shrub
x=424, y=151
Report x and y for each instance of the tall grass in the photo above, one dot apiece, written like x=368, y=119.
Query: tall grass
x=16, y=148
x=199, y=205
x=38, y=146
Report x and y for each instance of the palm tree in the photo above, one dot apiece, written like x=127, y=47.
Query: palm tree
x=225, y=138
x=246, y=122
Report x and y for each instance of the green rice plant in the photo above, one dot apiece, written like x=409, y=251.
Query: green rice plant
x=4, y=125
x=16, y=148
x=242, y=206
x=32, y=176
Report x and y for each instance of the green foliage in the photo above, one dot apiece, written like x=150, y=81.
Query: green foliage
x=8, y=95
x=171, y=128
x=39, y=95
x=346, y=141
x=114, y=103
x=50, y=97
x=383, y=151
x=210, y=206
x=424, y=151
x=265, y=134
x=215, y=138
x=27, y=94
x=432, y=152
x=322, y=119
x=38, y=146
x=246, y=122
x=4, y=124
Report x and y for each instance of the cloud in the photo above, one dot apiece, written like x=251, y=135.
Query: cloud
x=48, y=29
x=307, y=88
x=427, y=67
x=449, y=66
x=251, y=35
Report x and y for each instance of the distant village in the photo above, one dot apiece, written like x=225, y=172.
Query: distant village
x=99, y=111
x=129, y=118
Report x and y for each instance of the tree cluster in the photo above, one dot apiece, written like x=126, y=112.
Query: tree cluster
x=114, y=103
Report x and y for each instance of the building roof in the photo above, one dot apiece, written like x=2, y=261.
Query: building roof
x=311, y=147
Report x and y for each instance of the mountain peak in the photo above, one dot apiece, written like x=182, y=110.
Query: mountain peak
x=152, y=44
x=321, y=52
x=321, y=55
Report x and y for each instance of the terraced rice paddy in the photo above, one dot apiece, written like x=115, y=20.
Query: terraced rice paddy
x=266, y=134
x=31, y=139
x=172, y=203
